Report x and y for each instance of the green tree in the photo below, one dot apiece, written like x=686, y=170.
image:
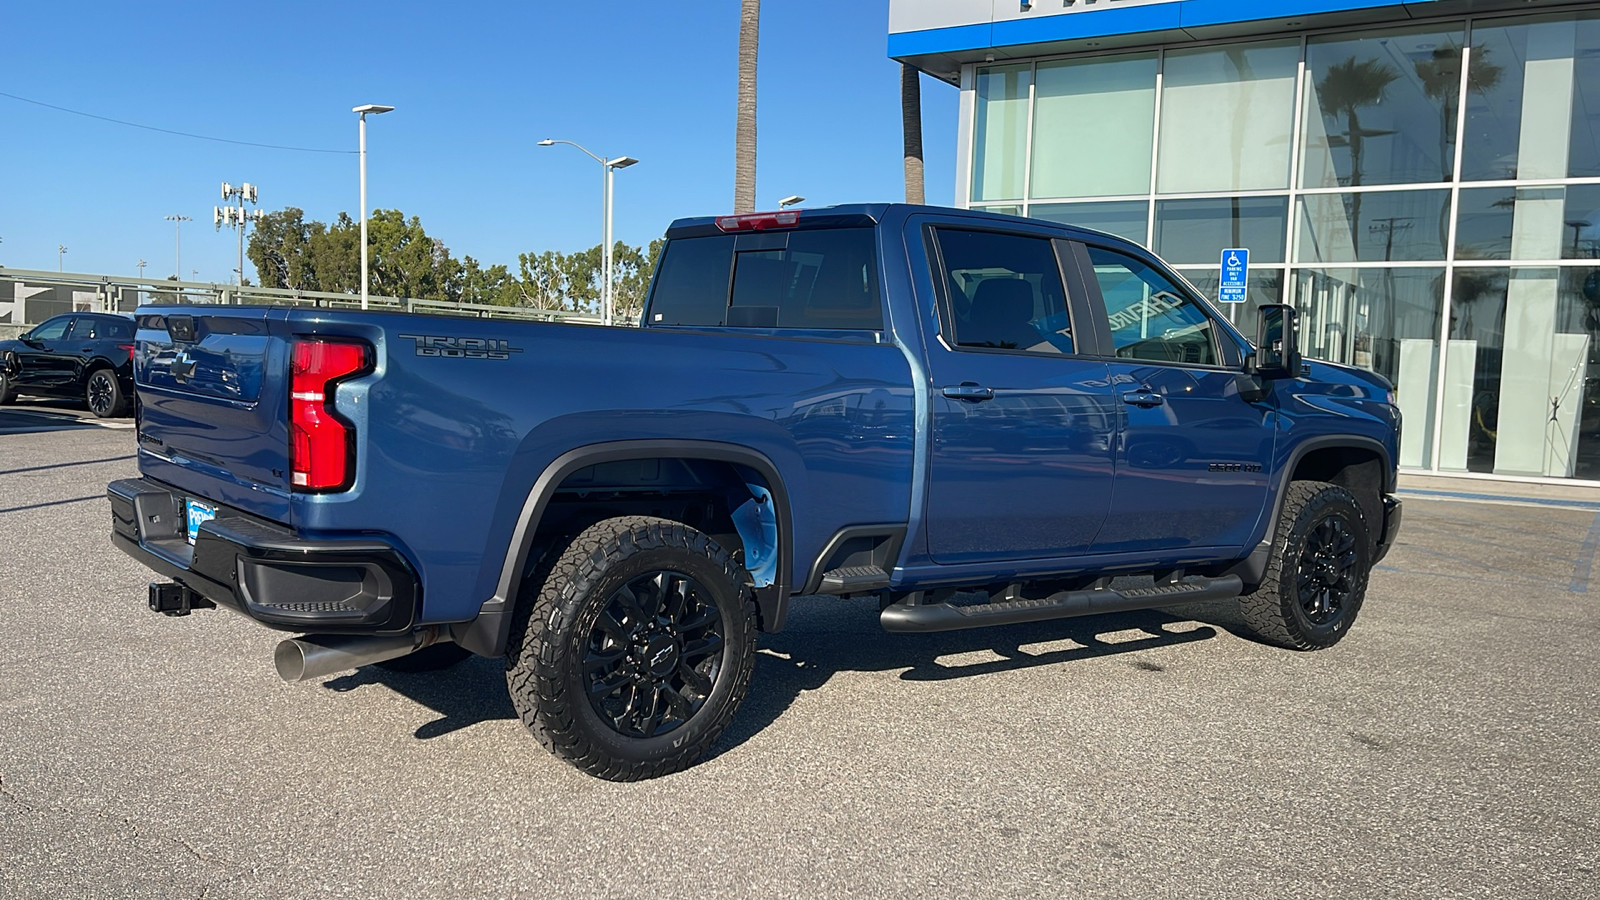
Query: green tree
x=492, y=286
x=280, y=248
x=632, y=269
x=336, y=254
x=406, y=262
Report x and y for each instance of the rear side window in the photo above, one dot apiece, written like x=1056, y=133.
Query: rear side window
x=103, y=329
x=1005, y=292
x=819, y=279
x=692, y=287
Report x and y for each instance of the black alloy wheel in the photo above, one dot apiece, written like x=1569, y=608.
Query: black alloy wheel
x=102, y=394
x=632, y=646
x=1316, y=578
x=654, y=654
x=1327, y=569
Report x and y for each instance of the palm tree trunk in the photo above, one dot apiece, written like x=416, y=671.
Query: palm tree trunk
x=744, y=149
x=911, y=125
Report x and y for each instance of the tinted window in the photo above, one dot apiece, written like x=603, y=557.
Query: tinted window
x=102, y=329
x=692, y=286
x=1150, y=317
x=821, y=279
x=827, y=278
x=53, y=330
x=1005, y=292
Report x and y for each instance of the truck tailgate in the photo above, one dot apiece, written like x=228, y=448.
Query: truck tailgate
x=213, y=395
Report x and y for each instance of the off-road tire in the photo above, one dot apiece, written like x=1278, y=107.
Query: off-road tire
x=429, y=659
x=103, y=395
x=1290, y=608
x=559, y=620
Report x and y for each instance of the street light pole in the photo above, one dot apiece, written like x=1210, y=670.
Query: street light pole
x=61, y=251
x=608, y=168
x=178, y=220
x=375, y=109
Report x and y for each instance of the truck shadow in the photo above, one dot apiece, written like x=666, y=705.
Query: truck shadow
x=825, y=636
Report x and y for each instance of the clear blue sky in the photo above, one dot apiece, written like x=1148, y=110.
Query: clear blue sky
x=475, y=86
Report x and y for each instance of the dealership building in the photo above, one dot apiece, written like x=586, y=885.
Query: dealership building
x=1421, y=180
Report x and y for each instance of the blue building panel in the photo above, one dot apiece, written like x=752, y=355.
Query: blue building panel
x=999, y=31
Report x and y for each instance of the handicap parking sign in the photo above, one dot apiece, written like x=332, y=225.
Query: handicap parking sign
x=1235, y=275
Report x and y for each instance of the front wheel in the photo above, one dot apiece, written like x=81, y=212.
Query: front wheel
x=8, y=392
x=103, y=395
x=636, y=649
x=1317, y=577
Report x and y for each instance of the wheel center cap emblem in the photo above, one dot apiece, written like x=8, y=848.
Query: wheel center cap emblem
x=662, y=657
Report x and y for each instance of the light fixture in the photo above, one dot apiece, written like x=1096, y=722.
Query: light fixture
x=793, y=200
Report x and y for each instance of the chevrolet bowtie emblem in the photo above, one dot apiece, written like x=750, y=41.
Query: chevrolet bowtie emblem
x=182, y=366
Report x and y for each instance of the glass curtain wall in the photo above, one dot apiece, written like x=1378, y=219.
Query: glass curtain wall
x=1428, y=196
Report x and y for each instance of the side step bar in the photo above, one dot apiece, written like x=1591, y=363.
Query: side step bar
x=854, y=580
x=917, y=618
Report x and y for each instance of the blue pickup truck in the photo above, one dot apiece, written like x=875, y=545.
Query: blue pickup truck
x=929, y=406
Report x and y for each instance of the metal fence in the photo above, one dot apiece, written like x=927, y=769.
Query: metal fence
x=29, y=296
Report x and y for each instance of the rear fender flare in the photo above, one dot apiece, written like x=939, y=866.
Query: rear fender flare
x=487, y=635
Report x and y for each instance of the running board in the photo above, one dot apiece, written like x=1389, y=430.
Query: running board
x=917, y=618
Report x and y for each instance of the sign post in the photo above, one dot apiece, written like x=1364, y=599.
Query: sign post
x=1235, y=275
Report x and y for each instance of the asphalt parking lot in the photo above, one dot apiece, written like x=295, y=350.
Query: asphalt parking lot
x=1447, y=748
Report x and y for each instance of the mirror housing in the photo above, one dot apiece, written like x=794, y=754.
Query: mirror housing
x=1277, y=342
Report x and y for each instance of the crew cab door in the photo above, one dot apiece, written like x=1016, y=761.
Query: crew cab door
x=1020, y=465
x=1193, y=456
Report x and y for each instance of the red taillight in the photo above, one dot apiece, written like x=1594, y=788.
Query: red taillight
x=759, y=221
x=321, y=444
x=127, y=347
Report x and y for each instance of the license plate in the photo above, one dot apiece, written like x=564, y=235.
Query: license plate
x=198, y=513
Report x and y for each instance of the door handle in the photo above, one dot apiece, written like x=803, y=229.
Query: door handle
x=1142, y=399
x=968, y=391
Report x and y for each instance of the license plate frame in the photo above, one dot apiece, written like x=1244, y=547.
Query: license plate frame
x=197, y=513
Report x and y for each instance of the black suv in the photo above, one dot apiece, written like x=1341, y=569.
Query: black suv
x=88, y=356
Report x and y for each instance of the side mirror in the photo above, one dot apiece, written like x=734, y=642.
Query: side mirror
x=1277, y=342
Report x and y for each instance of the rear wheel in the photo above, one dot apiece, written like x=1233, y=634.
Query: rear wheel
x=103, y=394
x=636, y=650
x=1317, y=577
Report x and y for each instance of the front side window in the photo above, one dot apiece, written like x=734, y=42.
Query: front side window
x=1005, y=292
x=1150, y=317
x=53, y=330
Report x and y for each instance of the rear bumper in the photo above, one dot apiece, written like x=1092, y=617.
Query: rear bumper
x=1392, y=512
x=265, y=570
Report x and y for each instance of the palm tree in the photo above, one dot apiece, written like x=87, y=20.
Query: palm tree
x=1348, y=87
x=744, y=141
x=911, y=126
x=1441, y=82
